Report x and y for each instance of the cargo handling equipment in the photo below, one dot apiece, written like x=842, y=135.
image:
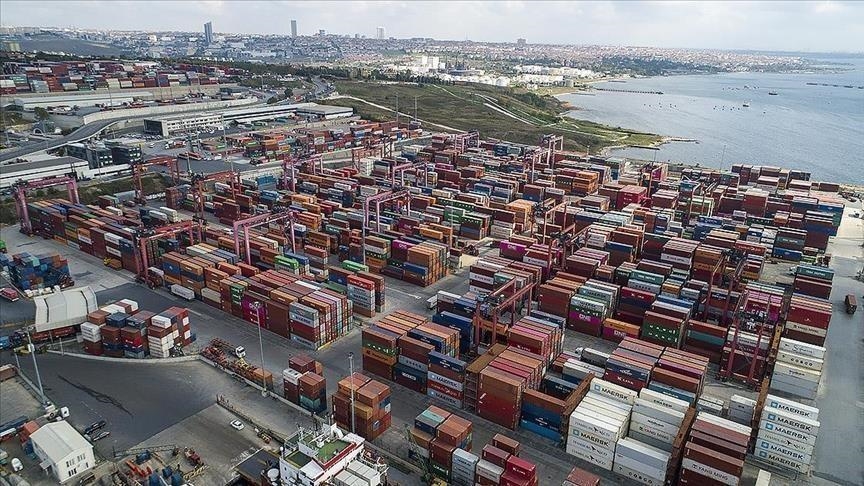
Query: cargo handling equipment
x=21, y=187
x=141, y=168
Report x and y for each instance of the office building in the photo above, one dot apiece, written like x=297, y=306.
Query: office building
x=293, y=28
x=124, y=150
x=380, y=32
x=62, y=451
x=521, y=42
x=208, y=33
x=96, y=155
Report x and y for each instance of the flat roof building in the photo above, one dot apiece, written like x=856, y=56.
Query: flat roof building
x=62, y=451
x=170, y=125
x=81, y=100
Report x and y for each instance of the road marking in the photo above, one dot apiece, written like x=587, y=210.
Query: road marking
x=202, y=316
x=404, y=293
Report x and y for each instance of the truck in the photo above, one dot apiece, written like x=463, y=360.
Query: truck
x=182, y=292
x=9, y=294
x=851, y=304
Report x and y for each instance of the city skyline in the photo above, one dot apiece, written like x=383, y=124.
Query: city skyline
x=815, y=26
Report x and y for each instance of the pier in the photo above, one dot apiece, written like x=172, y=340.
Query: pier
x=629, y=91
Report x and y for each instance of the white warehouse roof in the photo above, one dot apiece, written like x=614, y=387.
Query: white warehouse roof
x=65, y=308
x=58, y=440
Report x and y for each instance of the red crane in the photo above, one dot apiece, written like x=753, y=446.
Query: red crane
x=21, y=187
x=244, y=225
x=144, y=236
x=226, y=177
x=488, y=311
x=139, y=169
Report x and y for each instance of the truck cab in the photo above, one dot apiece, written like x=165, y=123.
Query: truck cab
x=240, y=352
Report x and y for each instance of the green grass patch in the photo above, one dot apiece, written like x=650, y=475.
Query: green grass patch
x=503, y=113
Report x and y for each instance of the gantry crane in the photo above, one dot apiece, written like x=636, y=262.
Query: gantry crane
x=286, y=217
x=761, y=316
x=140, y=168
x=552, y=144
x=489, y=309
x=20, y=188
x=226, y=177
x=145, y=235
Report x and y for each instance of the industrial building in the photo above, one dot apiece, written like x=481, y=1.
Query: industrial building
x=81, y=100
x=62, y=451
x=96, y=155
x=168, y=126
x=52, y=166
x=313, y=458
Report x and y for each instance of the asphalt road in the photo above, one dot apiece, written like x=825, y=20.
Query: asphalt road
x=82, y=133
x=137, y=400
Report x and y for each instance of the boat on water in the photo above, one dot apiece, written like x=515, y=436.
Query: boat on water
x=746, y=104
x=772, y=93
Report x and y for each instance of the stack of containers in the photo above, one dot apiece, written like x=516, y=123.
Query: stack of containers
x=641, y=462
x=112, y=339
x=600, y=419
x=425, y=429
x=362, y=293
x=446, y=378
x=741, y=409
x=92, y=336
x=813, y=281
x=787, y=434
x=371, y=410
x=808, y=320
x=161, y=335
x=452, y=434
x=464, y=468
x=656, y=419
x=631, y=364
x=312, y=388
x=502, y=382
x=291, y=385
x=714, y=452
x=679, y=374
x=798, y=368
x=29, y=272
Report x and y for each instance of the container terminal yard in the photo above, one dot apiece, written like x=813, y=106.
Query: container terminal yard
x=436, y=309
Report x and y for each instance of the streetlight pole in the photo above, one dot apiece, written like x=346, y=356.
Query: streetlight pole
x=351, y=370
x=257, y=306
x=32, y=350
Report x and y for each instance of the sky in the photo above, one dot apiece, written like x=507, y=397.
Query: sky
x=821, y=26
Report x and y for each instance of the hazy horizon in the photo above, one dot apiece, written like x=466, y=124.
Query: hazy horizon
x=800, y=27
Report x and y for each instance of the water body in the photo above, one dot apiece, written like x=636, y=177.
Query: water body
x=814, y=128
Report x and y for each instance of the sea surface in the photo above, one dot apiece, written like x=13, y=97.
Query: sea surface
x=813, y=128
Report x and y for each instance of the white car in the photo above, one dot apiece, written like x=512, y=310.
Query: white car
x=17, y=465
x=237, y=425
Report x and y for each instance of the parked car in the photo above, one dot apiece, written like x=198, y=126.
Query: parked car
x=94, y=427
x=16, y=465
x=100, y=436
x=237, y=425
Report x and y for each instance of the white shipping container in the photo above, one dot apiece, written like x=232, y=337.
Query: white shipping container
x=786, y=442
x=806, y=362
x=797, y=372
x=802, y=348
x=792, y=407
x=665, y=401
x=789, y=432
x=635, y=475
x=613, y=391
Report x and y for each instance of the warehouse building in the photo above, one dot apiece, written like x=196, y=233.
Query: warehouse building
x=62, y=451
x=81, y=100
x=54, y=167
x=171, y=125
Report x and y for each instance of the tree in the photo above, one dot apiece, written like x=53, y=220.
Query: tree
x=41, y=113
